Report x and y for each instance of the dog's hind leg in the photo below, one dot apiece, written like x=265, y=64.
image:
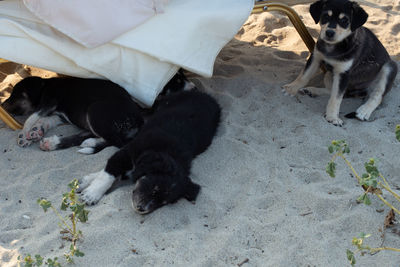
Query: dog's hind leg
x=35, y=128
x=93, y=145
x=54, y=142
x=381, y=85
x=116, y=123
x=312, y=66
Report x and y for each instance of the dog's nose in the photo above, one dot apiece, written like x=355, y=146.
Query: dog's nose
x=329, y=33
x=140, y=208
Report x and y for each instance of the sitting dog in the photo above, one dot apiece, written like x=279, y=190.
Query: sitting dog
x=102, y=108
x=355, y=60
x=159, y=157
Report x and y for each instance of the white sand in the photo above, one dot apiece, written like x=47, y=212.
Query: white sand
x=265, y=195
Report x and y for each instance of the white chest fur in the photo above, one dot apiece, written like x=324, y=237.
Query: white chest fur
x=339, y=66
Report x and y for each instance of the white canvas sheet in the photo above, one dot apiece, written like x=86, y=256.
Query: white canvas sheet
x=94, y=22
x=189, y=34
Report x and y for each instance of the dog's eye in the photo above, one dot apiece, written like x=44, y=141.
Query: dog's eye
x=344, y=22
x=325, y=17
x=155, y=191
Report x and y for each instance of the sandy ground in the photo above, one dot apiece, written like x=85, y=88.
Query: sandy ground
x=265, y=200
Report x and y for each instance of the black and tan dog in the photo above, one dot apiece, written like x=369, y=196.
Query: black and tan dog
x=355, y=60
x=159, y=157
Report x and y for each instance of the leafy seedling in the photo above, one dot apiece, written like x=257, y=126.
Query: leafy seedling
x=68, y=226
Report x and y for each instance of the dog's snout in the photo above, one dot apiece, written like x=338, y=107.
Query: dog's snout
x=330, y=33
x=140, y=208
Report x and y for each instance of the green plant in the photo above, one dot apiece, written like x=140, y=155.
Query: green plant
x=359, y=243
x=372, y=182
x=68, y=225
x=398, y=132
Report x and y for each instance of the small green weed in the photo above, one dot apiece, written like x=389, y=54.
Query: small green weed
x=68, y=225
x=372, y=182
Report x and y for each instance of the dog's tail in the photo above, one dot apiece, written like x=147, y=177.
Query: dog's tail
x=93, y=146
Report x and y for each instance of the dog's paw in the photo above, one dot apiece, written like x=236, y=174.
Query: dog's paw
x=86, y=181
x=290, y=89
x=305, y=91
x=334, y=120
x=35, y=134
x=90, y=196
x=49, y=143
x=363, y=113
x=86, y=150
x=90, y=142
x=314, y=91
x=95, y=186
x=22, y=141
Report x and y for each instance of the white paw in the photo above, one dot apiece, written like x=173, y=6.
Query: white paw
x=290, y=89
x=36, y=133
x=334, y=120
x=49, y=143
x=87, y=180
x=86, y=150
x=22, y=141
x=96, y=185
x=363, y=113
x=90, y=142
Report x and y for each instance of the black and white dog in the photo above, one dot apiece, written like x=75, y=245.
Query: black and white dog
x=159, y=157
x=102, y=108
x=355, y=60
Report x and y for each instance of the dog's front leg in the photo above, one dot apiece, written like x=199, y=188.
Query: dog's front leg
x=312, y=66
x=339, y=85
x=95, y=185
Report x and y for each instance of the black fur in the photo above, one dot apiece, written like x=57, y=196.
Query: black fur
x=182, y=127
x=177, y=83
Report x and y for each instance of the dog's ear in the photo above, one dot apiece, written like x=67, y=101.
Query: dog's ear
x=34, y=86
x=359, y=16
x=316, y=10
x=191, y=190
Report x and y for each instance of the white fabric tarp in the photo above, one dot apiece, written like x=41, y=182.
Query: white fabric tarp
x=189, y=34
x=94, y=22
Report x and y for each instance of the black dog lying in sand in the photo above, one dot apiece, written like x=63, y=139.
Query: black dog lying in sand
x=102, y=108
x=159, y=157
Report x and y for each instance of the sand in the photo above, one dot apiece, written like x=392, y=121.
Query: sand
x=265, y=200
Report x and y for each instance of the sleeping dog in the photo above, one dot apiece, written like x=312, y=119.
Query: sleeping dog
x=103, y=109
x=355, y=60
x=159, y=157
